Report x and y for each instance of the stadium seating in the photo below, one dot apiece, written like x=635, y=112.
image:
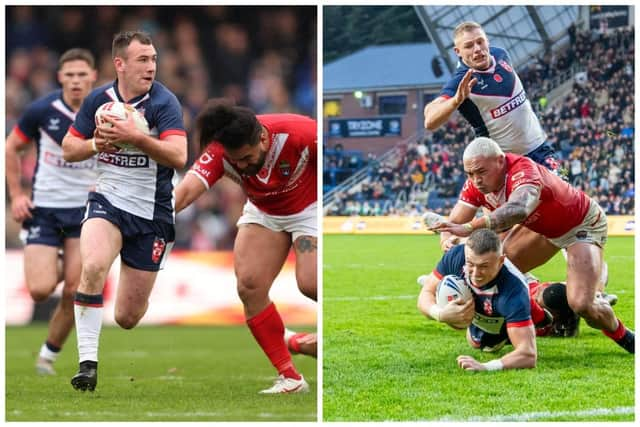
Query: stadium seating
x=592, y=121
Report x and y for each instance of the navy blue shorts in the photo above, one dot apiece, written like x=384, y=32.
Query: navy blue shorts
x=145, y=244
x=545, y=155
x=50, y=226
x=487, y=341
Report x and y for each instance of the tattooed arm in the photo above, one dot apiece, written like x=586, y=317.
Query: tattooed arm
x=522, y=202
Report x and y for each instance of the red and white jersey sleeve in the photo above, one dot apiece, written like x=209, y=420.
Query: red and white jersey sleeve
x=287, y=182
x=561, y=208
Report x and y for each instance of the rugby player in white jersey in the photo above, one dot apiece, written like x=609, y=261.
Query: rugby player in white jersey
x=131, y=211
x=52, y=214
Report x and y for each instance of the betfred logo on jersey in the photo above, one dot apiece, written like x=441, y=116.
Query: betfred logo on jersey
x=124, y=160
x=157, y=250
x=509, y=106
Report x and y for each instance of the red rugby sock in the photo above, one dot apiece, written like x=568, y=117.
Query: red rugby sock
x=268, y=330
x=618, y=333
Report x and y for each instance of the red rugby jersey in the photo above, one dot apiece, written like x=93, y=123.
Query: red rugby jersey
x=287, y=183
x=561, y=207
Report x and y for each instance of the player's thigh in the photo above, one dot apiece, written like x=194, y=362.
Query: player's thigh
x=72, y=264
x=100, y=243
x=306, y=249
x=134, y=288
x=259, y=254
x=584, y=264
x=527, y=249
x=41, y=269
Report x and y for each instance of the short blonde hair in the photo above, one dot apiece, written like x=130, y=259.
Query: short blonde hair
x=482, y=147
x=464, y=27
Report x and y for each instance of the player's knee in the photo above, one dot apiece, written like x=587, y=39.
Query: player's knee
x=40, y=293
x=250, y=286
x=127, y=320
x=308, y=286
x=93, y=272
x=581, y=306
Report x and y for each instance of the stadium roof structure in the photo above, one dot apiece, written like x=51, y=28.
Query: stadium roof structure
x=385, y=67
x=524, y=31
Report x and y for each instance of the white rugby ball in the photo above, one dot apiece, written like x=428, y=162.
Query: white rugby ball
x=121, y=111
x=452, y=288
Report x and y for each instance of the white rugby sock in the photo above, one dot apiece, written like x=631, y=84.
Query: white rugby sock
x=88, y=317
x=48, y=354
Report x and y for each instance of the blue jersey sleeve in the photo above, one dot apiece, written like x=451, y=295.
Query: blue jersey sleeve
x=499, y=53
x=451, y=87
x=30, y=121
x=451, y=262
x=84, y=122
x=168, y=117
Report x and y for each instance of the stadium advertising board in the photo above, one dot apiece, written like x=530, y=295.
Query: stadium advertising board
x=622, y=225
x=608, y=17
x=195, y=288
x=367, y=127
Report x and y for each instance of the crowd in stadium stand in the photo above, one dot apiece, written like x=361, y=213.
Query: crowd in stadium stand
x=591, y=130
x=264, y=58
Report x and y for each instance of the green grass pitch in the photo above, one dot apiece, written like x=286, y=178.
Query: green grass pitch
x=383, y=360
x=168, y=373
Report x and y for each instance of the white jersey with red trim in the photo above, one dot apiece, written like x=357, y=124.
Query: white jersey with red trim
x=56, y=182
x=497, y=106
x=287, y=182
x=130, y=179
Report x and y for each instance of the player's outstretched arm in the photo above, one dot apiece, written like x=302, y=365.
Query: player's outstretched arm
x=21, y=203
x=438, y=111
x=522, y=202
x=460, y=214
x=525, y=353
x=523, y=356
x=189, y=189
x=456, y=314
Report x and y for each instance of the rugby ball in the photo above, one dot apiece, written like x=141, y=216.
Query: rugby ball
x=452, y=288
x=121, y=111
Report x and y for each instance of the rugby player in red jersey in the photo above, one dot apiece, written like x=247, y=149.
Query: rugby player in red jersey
x=273, y=157
x=518, y=191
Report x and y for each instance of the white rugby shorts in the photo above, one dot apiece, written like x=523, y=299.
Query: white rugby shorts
x=303, y=223
x=593, y=229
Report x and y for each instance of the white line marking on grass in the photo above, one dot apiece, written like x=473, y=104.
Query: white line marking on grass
x=171, y=414
x=373, y=298
x=531, y=416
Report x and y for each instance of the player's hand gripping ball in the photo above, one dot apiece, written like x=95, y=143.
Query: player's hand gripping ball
x=452, y=288
x=121, y=111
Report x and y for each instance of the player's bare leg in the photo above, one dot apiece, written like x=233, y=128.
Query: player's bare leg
x=259, y=254
x=42, y=277
x=302, y=342
x=96, y=262
x=132, y=299
x=584, y=266
x=527, y=249
x=61, y=321
x=306, y=249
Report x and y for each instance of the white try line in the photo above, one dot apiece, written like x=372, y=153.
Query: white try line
x=531, y=416
x=373, y=298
